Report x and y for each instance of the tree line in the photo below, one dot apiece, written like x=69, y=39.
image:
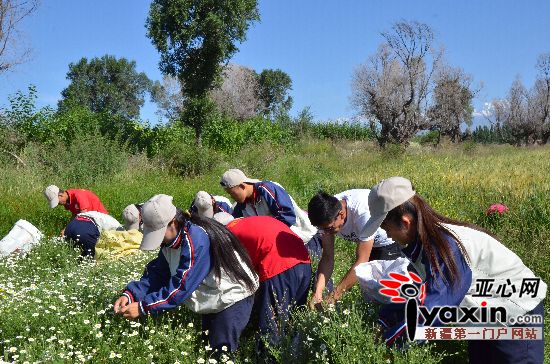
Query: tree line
x=405, y=87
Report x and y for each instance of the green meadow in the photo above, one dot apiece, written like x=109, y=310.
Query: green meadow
x=53, y=309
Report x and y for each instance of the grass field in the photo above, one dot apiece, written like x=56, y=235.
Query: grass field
x=54, y=310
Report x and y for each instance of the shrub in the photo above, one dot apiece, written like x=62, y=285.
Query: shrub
x=87, y=159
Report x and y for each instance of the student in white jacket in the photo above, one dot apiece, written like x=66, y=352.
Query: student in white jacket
x=450, y=257
x=86, y=227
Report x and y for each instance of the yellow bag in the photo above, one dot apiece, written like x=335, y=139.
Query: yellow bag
x=117, y=244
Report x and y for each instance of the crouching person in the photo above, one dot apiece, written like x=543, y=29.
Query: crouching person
x=132, y=217
x=86, y=227
x=201, y=265
x=282, y=262
x=452, y=258
x=206, y=205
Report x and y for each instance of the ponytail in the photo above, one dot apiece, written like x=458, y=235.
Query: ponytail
x=224, y=248
x=431, y=234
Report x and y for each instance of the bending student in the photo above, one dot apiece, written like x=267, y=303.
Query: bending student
x=74, y=200
x=345, y=215
x=268, y=198
x=282, y=263
x=200, y=264
x=450, y=256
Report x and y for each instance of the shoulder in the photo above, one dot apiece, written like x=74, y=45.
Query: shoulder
x=196, y=234
x=354, y=196
x=222, y=199
x=270, y=185
x=270, y=188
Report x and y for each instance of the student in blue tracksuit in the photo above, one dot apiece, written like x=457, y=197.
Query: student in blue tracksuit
x=450, y=256
x=206, y=205
x=267, y=198
x=201, y=265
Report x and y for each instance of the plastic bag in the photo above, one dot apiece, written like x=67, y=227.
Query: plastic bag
x=21, y=238
x=117, y=244
x=369, y=275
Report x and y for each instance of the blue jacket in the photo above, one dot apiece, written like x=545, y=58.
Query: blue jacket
x=220, y=206
x=175, y=274
x=271, y=199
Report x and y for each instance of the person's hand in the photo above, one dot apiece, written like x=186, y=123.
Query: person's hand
x=316, y=303
x=120, y=303
x=62, y=234
x=335, y=295
x=131, y=311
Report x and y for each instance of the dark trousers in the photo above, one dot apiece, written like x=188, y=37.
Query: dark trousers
x=84, y=234
x=314, y=247
x=509, y=351
x=225, y=327
x=275, y=297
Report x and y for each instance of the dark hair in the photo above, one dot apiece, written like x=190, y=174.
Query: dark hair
x=430, y=233
x=323, y=208
x=223, y=246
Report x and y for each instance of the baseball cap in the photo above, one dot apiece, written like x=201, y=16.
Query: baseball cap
x=383, y=198
x=156, y=214
x=52, y=195
x=223, y=217
x=131, y=217
x=235, y=177
x=203, y=203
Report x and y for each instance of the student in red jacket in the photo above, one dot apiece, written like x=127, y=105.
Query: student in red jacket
x=282, y=262
x=74, y=200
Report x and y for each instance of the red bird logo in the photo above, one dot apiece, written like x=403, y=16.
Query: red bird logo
x=403, y=287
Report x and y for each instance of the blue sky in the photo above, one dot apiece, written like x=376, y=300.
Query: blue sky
x=319, y=43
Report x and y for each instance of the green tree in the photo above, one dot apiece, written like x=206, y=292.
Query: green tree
x=195, y=38
x=106, y=84
x=274, y=88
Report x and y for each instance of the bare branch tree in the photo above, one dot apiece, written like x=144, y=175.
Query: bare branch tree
x=392, y=89
x=12, y=13
x=168, y=97
x=519, y=119
x=540, y=95
x=497, y=112
x=452, y=102
x=238, y=95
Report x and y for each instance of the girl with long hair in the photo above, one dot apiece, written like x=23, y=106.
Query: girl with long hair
x=201, y=265
x=454, y=258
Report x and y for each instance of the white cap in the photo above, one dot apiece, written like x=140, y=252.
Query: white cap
x=383, y=198
x=131, y=217
x=52, y=195
x=223, y=217
x=156, y=214
x=235, y=177
x=204, y=204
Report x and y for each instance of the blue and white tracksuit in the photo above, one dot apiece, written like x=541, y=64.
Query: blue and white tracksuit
x=271, y=199
x=182, y=274
x=487, y=259
x=222, y=205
